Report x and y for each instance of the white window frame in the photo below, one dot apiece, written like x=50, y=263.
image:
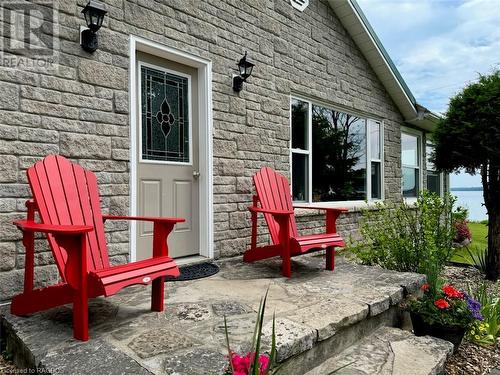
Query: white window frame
x=440, y=174
x=370, y=160
x=309, y=153
x=420, y=159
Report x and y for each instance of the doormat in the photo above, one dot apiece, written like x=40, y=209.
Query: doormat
x=195, y=271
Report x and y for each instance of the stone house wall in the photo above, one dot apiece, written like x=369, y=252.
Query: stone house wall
x=80, y=108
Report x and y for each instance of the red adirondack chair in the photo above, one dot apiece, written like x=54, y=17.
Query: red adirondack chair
x=67, y=199
x=275, y=200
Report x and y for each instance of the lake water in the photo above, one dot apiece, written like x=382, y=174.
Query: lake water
x=473, y=201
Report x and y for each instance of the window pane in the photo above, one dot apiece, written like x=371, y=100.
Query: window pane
x=410, y=182
x=376, y=181
x=299, y=177
x=409, y=147
x=434, y=183
x=339, y=156
x=429, y=150
x=165, y=116
x=300, y=118
x=374, y=139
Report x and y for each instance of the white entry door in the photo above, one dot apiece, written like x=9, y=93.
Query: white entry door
x=167, y=157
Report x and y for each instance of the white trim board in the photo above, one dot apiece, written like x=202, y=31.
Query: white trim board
x=205, y=121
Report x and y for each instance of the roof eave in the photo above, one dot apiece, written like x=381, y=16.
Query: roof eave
x=355, y=22
x=425, y=119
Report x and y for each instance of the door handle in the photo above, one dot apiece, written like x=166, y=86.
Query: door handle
x=196, y=175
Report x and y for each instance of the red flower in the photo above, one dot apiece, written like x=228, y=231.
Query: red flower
x=441, y=304
x=425, y=287
x=451, y=292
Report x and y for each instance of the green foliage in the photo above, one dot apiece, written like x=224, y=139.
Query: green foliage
x=460, y=214
x=408, y=238
x=468, y=135
x=487, y=331
x=476, y=258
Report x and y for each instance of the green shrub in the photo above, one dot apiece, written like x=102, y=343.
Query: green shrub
x=408, y=237
x=487, y=331
x=460, y=214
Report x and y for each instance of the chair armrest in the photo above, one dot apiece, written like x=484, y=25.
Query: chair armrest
x=31, y=226
x=145, y=218
x=272, y=212
x=332, y=213
x=332, y=209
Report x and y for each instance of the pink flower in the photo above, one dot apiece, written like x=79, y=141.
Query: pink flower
x=264, y=363
x=242, y=364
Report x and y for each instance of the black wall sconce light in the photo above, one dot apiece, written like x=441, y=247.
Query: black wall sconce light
x=94, y=13
x=245, y=67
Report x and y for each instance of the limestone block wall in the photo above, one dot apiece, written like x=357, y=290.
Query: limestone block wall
x=80, y=108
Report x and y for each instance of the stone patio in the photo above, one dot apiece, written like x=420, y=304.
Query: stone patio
x=318, y=314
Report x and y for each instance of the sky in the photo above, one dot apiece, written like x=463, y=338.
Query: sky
x=438, y=47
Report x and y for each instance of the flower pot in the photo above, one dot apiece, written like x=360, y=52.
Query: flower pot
x=453, y=334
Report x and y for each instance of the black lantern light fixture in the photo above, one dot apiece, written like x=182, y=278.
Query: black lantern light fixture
x=245, y=67
x=94, y=13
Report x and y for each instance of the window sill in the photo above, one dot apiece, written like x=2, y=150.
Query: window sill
x=352, y=206
x=410, y=201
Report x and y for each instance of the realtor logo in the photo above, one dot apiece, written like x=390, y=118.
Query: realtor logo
x=29, y=27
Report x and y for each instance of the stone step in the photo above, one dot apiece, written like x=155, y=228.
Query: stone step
x=318, y=315
x=389, y=351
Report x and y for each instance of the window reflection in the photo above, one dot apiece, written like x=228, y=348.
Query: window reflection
x=300, y=115
x=410, y=158
x=338, y=156
x=299, y=177
x=433, y=177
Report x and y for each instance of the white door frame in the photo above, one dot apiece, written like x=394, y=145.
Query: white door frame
x=204, y=68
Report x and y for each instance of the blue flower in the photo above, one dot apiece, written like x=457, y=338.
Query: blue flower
x=474, y=307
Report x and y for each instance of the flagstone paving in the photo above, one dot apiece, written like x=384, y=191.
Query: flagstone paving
x=389, y=351
x=188, y=337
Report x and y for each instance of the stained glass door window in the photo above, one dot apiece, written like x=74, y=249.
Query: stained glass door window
x=165, y=116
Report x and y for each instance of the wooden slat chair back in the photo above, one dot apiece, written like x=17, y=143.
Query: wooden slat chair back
x=66, y=197
x=273, y=199
x=66, y=194
x=273, y=193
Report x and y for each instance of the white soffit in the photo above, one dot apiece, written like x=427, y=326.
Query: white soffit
x=352, y=19
x=300, y=4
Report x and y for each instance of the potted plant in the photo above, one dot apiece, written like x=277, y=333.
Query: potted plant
x=443, y=312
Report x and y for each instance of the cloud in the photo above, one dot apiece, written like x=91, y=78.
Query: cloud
x=438, y=46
